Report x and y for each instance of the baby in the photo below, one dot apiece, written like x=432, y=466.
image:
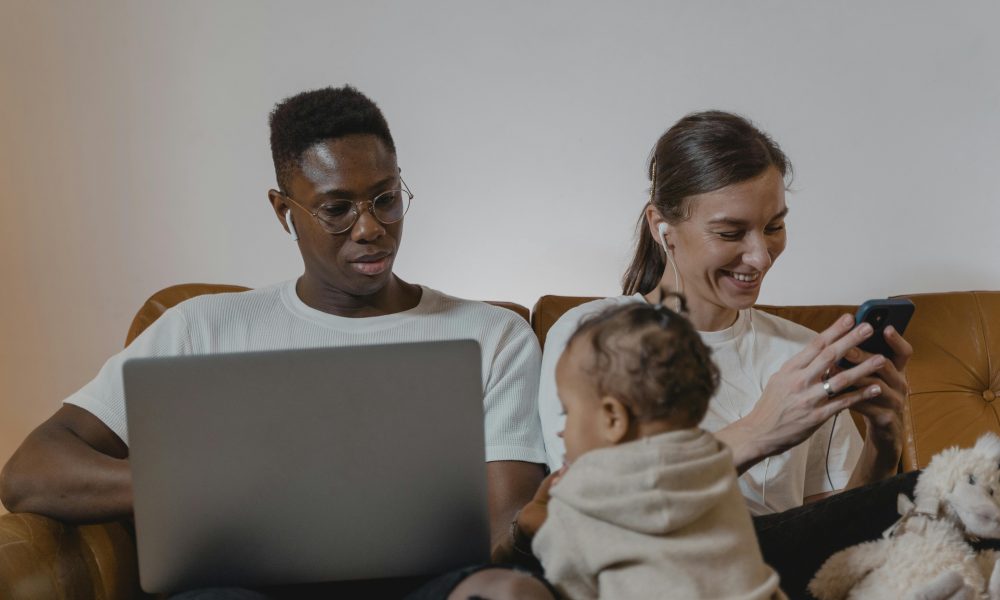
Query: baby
x=648, y=506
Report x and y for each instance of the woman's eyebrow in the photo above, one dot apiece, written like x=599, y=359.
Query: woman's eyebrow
x=743, y=222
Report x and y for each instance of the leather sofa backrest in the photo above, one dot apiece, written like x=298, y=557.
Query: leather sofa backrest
x=955, y=371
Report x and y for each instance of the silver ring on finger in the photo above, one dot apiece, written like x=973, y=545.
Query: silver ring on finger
x=830, y=392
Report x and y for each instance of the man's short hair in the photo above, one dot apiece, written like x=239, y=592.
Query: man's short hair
x=651, y=359
x=301, y=121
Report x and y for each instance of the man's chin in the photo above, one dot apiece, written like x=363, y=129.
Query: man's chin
x=368, y=285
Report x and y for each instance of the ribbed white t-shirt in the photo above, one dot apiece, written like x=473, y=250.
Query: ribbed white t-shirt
x=274, y=318
x=747, y=353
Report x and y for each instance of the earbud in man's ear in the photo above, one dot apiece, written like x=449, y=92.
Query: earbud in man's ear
x=291, y=227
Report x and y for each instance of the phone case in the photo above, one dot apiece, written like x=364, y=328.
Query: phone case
x=881, y=313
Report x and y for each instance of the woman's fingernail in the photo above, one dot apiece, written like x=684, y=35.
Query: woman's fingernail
x=846, y=320
x=865, y=329
x=852, y=354
x=890, y=330
x=874, y=391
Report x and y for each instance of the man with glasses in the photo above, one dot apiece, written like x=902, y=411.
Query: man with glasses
x=342, y=199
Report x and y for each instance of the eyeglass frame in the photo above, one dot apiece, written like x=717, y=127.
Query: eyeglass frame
x=356, y=210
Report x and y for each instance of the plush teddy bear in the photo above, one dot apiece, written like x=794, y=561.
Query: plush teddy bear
x=926, y=555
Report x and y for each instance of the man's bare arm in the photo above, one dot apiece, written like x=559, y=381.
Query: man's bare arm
x=72, y=467
x=512, y=484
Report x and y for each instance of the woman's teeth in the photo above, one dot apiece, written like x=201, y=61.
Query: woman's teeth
x=745, y=277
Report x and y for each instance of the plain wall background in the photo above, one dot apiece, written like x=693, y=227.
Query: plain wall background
x=134, y=148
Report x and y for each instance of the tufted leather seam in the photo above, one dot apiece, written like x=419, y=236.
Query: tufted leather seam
x=986, y=345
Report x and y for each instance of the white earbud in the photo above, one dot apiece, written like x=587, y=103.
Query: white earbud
x=291, y=227
x=662, y=230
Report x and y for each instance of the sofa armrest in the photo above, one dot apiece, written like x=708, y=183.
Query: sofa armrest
x=44, y=558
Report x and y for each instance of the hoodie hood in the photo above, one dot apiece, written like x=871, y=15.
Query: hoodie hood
x=653, y=485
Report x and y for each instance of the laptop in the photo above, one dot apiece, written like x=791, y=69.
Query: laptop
x=312, y=465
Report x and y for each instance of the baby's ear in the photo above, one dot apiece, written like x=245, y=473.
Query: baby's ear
x=616, y=421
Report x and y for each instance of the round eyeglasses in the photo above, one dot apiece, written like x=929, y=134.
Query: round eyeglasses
x=339, y=216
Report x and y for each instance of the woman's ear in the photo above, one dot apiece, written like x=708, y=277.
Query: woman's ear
x=658, y=226
x=616, y=421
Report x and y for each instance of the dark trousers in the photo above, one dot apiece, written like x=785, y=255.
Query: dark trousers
x=797, y=542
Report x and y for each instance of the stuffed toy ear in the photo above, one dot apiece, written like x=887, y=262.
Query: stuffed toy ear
x=988, y=445
x=903, y=504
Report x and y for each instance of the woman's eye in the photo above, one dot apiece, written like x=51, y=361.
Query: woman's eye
x=730, y=236
x=772, y=229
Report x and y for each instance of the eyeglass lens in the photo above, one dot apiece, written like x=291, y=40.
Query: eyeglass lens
x=388, y=207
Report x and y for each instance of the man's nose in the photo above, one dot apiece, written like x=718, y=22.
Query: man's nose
x=367, y=228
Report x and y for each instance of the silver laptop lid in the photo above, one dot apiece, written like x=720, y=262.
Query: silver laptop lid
x=307, y=465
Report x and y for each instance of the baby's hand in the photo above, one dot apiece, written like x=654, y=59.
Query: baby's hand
x=532, y=516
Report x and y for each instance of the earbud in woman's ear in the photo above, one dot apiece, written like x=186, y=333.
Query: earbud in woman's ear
x=291, y=227
x=662, y=230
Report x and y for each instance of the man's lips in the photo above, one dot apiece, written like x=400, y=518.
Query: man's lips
x=371, y=264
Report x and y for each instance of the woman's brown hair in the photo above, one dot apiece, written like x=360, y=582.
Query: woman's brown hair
x=703, y=152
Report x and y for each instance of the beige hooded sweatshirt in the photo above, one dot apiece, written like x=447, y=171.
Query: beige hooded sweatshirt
x=660, y=517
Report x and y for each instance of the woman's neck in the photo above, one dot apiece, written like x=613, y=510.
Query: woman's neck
x=705, y=316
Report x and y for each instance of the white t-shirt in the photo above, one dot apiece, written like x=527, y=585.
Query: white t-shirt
x=747, y=354
x=274, y=318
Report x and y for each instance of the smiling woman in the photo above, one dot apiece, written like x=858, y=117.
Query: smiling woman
x=716, y=217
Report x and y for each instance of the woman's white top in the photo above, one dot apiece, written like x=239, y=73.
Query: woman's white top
x=747, y=354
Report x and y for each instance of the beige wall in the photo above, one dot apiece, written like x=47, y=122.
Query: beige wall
x=133, y=148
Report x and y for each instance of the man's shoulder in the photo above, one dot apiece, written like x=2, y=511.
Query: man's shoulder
x=231, y=304
x=454, y=306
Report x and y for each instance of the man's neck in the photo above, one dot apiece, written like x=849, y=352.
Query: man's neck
x=396, y=296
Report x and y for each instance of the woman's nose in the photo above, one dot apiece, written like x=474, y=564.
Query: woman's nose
x=758, y=255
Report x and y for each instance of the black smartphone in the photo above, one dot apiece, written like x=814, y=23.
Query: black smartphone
x=880, y=314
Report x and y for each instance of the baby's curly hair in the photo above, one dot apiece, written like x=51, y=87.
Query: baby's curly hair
x=652, y=359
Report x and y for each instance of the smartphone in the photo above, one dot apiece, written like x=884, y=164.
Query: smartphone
x=880, y=314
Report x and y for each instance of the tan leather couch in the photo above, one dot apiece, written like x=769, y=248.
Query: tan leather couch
x=954, y=379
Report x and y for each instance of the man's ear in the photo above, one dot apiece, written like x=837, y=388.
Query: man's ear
x=280, y=207
x=616, y=421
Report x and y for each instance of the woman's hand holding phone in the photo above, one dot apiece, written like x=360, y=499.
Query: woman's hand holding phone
x=795, y=402
x=884, y=413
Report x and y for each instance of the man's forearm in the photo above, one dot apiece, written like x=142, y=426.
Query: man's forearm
x=512, y=485
x=58, y=475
